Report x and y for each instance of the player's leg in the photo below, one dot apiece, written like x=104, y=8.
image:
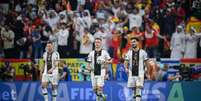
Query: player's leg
x=131, y=83
x=100, y=93
x=100, y=85
x=93, y=82
x=44, y=87
x=138, y=93
x=139, y=87
x=97, y=93
x=54, y=83
x=54, y=92
x=95, y=88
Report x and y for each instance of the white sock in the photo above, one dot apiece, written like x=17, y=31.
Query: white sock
x=45, y=94
x=138, y=91
x=54, y=98
x=97, y=98
x=46, y=97
x=54, y=95
x=138, y=99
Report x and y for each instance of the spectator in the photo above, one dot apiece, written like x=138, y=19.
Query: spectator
x=199, y=45
x=51, y=18
x=151, y=41
x=124, y=41
x=63, y=34
x=89, y=6
x=37, y=45
x=8, y=36
x=65, y=75
x=169, y=22
x=177, y=44
x=53, y=37
x=86, y=42
x=191, y=40
x=46, y=32
x=167, y=14
x=114, y=49
x=87, y=18
x=35, y=72
x=180, y=14
x=135, y=20
x=18, y=30
x=8, y=72
x=26, y=40
x=101, y=33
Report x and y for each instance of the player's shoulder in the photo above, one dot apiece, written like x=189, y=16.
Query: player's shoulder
x=91, y=53
x=105, y=51
x=45, y=53
x=129, y=51
x=143, y=51
x=56, y=53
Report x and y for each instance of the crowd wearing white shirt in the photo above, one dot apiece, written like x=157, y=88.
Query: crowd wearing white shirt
x=68, y=24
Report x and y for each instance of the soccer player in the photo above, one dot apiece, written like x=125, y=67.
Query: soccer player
x=50, y=71
x=98, y=61
x=135, y=59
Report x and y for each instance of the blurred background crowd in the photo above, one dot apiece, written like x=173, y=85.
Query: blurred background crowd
x=72, y=25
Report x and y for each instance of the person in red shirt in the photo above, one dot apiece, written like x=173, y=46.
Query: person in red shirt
x=151, y=41
x=180, y=14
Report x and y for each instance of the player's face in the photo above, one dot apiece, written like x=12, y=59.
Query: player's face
x=134, y=43
x=49, y=47
x=98, y=43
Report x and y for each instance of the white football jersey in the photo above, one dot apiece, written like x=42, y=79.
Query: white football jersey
x=142, y=57
x=54, y=62
x=103, y=57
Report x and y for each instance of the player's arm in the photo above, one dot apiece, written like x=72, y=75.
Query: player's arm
x=108, y=59
x=89, y=62
x=126, y=62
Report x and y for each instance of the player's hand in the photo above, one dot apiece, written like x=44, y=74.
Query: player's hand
x=106, y=77
x=89, y=69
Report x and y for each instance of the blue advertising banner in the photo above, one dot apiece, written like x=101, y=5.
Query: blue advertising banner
x=115, y=91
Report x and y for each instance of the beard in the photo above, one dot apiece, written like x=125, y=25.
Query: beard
x=134, y=46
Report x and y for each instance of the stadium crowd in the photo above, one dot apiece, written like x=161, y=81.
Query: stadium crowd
x=72, y=25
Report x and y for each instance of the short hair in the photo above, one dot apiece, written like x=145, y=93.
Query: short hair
x=135, y=38
x=49, y=42
x=98, y=38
